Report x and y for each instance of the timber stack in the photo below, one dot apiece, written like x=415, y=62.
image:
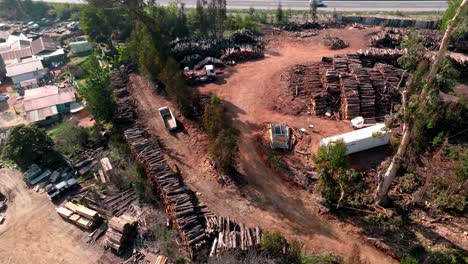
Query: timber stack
x=185, y=214
x=120, y=232
x=230, y=235
x=382, y=102
x=126, y=113
x=87, y=159
x=350, y=102
x=242, y=54
x=366, y=91
x=108, y=205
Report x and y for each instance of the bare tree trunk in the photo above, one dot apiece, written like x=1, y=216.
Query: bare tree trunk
x=381, y=195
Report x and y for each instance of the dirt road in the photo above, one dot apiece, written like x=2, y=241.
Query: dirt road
x=34, y=233
x=249, y=92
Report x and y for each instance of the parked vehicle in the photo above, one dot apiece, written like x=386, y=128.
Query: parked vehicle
x=55, y=191
x=208, y=73
x=168, y=118
x=4, y=98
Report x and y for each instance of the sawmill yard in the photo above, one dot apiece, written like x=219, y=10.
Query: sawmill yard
x=250, y=91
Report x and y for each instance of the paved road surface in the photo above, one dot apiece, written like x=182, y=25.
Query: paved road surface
x=377, y=5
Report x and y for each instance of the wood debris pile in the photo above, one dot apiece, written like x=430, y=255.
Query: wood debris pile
x=334, y=43
x=243, y=54
x=120, y=233
x=87, y=159
x=185, y=213
x=230, y=235
x=387, y=38
x=391, y=38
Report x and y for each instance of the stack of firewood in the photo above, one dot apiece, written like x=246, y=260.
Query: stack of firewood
x=383, y=102
x=340, y=63
x=350, y=102
x=354, y=59
x=244, y=54
x=230, y=235
x=120, y=233
x=391, y=74
x=366, y=91
x=185, y=214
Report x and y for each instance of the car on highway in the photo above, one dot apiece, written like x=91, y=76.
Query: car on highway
x=319, y=2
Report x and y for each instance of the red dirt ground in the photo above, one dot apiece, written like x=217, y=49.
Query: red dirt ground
x=249, y=90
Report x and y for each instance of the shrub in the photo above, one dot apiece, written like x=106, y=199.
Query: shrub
x=68, y=137
x=332, y=157
x=213, y=118
x=224, y=149
x=273, y=244
x=410, y=182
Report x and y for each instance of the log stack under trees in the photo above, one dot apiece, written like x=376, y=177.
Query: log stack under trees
x=392, y=37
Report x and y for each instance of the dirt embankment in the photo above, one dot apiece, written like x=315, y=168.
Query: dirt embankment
x=34, y=233
x=249, y=91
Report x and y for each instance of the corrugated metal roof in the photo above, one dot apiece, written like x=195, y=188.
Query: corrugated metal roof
x=48, y=98
x=23, y=67
x=41, y=114
x=43, y=44
x=17, y=55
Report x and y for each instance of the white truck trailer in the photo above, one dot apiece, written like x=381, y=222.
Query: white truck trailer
x=362, y=139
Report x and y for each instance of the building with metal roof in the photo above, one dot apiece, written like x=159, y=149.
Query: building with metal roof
x=46, y=102
x=25, y=70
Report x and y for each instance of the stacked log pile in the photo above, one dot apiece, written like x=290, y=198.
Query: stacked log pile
x=120, y=232
x=366, y=91
x=383, y=101
x=294, y=26
x=340, y=64
x=334, y=43
x=230, y=235
x=431, y=38
x=240, y=46
x=371, y=56
x=242, y=54
x=350, y=102
x=186, y=216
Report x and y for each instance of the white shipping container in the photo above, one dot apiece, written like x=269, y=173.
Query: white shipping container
x=362, y=139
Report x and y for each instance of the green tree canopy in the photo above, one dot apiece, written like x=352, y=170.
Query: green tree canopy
x=98, y=92
x=27, y=145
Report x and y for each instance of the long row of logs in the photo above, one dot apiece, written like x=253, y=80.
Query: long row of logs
x=371, y=56
x=185, y=214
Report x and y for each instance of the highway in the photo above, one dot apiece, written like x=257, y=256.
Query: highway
x=345, y=5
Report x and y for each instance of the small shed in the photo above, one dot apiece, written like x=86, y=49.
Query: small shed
x=80, y=47
x=279, y=136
